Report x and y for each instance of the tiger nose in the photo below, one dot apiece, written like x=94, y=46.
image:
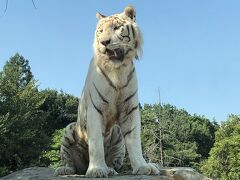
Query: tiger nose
x=105, y=43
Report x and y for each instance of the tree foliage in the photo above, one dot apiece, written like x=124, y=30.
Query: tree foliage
x=28, y=117
x=51, y=156
x=224, y=160
x=21, y=120
x=173, y=137
x=60, y=110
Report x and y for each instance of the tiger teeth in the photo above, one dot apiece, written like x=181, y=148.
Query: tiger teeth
x=115, y=54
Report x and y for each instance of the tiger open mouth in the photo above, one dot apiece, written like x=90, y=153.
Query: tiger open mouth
x=115, y=54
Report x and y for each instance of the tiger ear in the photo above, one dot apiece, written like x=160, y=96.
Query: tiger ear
x=100, y=16
x=130, y=12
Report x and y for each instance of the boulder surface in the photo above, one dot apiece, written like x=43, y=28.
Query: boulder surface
x=44, y=173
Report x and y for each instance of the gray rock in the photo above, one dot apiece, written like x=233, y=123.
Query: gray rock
x=43, y=173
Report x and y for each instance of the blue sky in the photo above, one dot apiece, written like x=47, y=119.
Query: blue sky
x=191, y=48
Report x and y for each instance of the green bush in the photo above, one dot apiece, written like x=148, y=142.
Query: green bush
x=224, y=159
x=51, y=157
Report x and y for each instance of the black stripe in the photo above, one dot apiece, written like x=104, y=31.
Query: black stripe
x=133, y=31
x=83, y=145
x=129, y=97
x=129, y=132
x=98, y=110
x=129, y=112
x=133, y=109
x=108, y=79
x=128, y=33
x=128, y=29
x=136, y=57
x=66, y=146
x=127, y=36
x=69, y=141
x=101, y=96
x=74, y=136
x=64, y=150
x=118, y=140
x=129, y=78
x=84, y=121
x=120, y=38
x=136, y=45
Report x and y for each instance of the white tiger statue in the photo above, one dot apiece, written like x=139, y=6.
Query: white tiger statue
x=108, y=114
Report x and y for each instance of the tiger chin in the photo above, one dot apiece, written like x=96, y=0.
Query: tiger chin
x=108, y=114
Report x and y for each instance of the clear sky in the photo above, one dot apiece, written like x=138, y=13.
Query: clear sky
x=191, y=48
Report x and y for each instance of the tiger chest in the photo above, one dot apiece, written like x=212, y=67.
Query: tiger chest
x=113, y=94
x=117, y=107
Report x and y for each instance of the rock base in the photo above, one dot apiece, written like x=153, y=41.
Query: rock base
x=43, y=173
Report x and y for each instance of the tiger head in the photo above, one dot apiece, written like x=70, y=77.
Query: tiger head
x=118, y=38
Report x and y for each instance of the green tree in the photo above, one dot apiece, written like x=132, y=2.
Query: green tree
x=29, y=117
x=224, y=160
x=173, y=137
x=60, y=109
x=20, y=118
x=202, y=131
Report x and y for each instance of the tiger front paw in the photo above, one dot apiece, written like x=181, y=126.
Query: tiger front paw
x=64, y=171
x=147, y=169
x=97, y=172
x=111, y=171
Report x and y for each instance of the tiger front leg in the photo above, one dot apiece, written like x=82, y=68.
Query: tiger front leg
x=131, y=128
x=97, y=165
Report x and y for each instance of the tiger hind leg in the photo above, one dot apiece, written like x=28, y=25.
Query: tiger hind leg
x=74, y=153
x=114, y=148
